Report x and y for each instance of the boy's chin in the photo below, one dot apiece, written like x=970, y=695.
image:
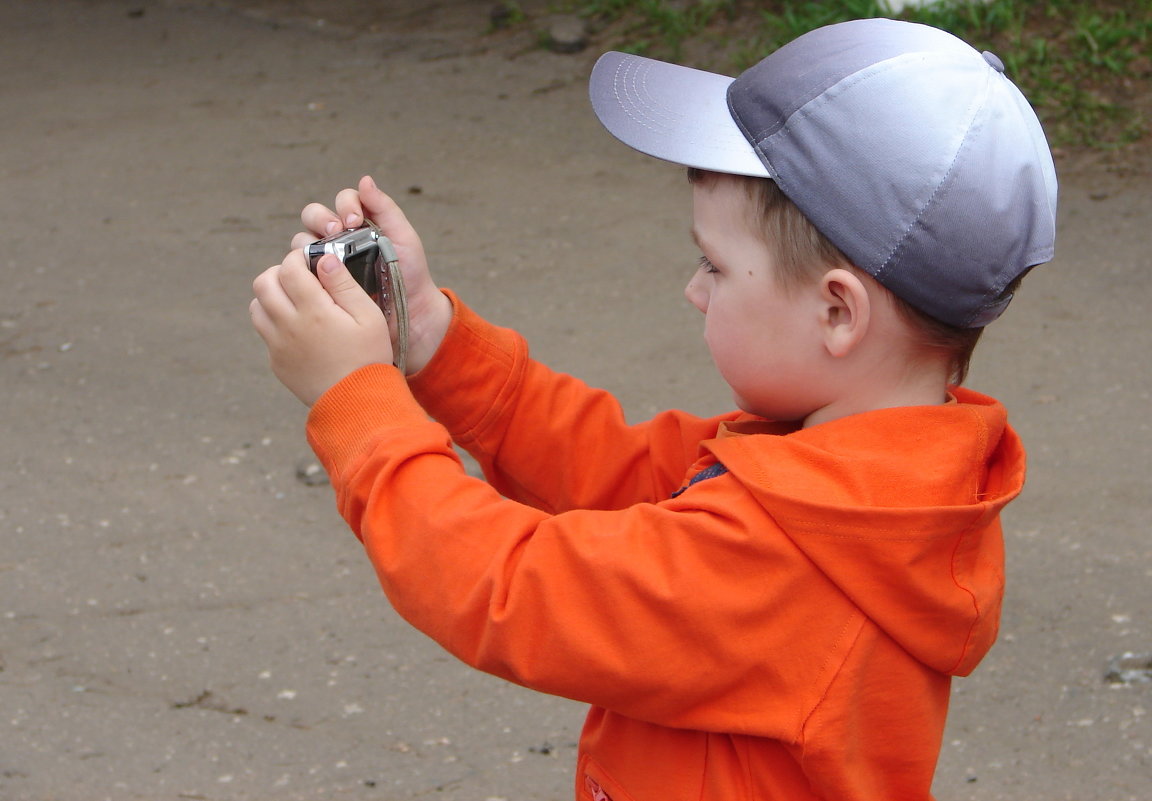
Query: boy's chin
x=777, y=413
x=750, y=407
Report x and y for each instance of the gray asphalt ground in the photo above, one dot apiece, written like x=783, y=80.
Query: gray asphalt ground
x=181, y=617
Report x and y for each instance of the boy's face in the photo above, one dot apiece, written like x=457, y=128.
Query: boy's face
x=764, y=339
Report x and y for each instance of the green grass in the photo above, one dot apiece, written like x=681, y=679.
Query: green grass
x=1084, y=65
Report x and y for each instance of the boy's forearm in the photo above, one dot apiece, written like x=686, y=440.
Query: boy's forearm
x=542, y=437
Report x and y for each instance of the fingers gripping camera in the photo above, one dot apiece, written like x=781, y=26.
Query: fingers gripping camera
x=371, y=259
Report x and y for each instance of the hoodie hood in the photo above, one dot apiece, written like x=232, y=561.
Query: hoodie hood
x=899, y=508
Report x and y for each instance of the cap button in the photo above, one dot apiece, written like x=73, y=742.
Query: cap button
x=993, y=61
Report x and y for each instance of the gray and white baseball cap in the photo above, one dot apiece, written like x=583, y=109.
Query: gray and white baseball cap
x=911, y=151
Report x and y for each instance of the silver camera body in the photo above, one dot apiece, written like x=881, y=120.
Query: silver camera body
x=365, y=252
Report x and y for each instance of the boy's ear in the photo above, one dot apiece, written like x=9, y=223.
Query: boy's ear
x=846, y=311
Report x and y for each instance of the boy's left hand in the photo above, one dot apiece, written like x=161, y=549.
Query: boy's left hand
x=317, y=331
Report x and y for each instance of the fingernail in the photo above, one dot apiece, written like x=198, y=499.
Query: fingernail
x=331, y=227
x=352, y=220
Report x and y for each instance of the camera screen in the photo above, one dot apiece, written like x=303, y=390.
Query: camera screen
x=363, y=268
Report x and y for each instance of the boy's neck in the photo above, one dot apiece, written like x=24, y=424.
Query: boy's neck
x=923, y=386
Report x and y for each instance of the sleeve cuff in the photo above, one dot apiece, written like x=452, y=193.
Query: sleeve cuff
x=341, y=422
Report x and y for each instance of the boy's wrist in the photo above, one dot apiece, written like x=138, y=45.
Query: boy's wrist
x=429, y=327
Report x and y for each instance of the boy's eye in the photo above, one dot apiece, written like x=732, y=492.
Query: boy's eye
x=706, y=265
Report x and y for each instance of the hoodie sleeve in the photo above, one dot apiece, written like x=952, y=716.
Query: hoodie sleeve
x=545, y=438
x=613, y=608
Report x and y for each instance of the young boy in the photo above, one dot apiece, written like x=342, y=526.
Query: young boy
x=765, y=605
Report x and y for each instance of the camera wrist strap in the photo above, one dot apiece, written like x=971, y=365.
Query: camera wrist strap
x=390, y=280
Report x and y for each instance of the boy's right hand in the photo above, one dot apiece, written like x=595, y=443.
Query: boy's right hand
x=429, y=311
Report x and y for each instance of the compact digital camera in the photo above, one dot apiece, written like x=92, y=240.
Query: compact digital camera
x=372, y=260
x=364, y=252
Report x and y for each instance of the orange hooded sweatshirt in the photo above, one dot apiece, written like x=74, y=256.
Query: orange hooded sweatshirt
x=785, y=627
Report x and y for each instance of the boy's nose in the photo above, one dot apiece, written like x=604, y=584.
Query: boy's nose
x=696, y=294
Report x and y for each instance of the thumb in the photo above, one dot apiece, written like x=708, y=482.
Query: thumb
x=381, y=208
x=373, y=198
x=342, y=287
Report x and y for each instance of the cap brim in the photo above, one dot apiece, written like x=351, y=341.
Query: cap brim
x=674, y=113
